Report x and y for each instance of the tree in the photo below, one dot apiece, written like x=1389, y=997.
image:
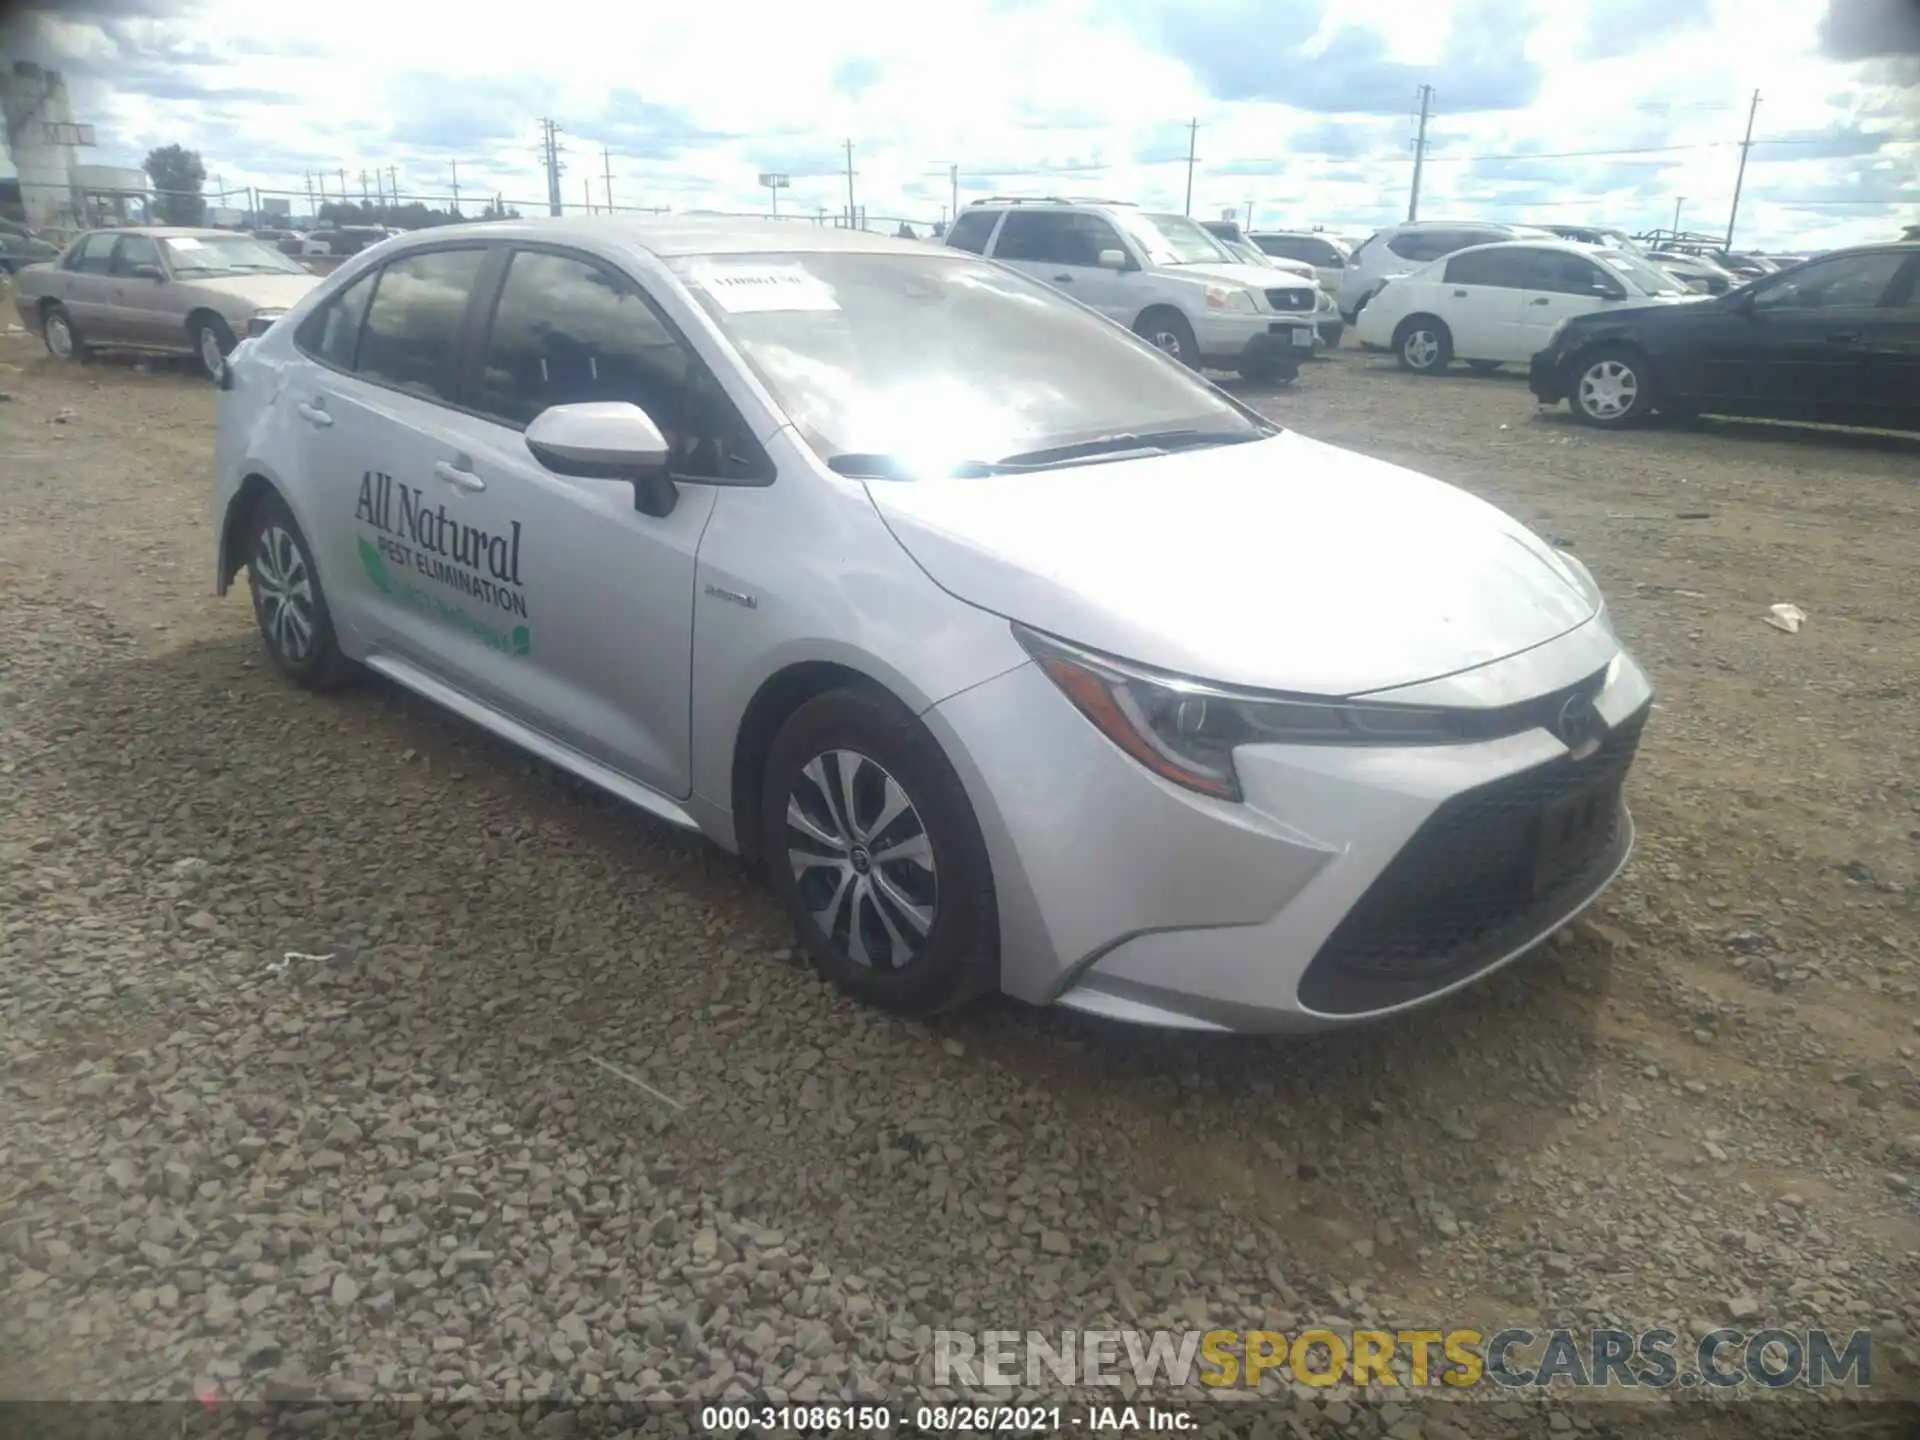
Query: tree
x=177, y=176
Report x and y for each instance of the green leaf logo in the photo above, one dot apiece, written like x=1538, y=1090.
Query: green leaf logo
x=522, y=640
x=376, y=567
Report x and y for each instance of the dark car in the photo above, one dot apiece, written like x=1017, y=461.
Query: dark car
x=1834, y=340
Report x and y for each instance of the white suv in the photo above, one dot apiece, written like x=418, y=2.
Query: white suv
x=1161, y=275
x=1402, y=249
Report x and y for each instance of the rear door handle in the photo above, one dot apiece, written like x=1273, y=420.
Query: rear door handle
x=315, y=415
x=1844, y=337
x=455, y=473
x=1542, y=300
x=1459, y=294
x=1063, y=279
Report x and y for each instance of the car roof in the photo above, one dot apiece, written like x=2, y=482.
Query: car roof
x=670, y=236
x=1528, y=242
x=163, y=232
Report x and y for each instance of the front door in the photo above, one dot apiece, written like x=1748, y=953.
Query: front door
x=139, y=305
x=1062, y=247
x=1892, y=354
x=1561, y=285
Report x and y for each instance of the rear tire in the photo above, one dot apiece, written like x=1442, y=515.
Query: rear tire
x=1168, y=330
x=288, y=603
x=1423, y=344
x=870, y=842
x=62, y=340
x=1612, y=388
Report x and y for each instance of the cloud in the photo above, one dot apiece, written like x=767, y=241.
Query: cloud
x=1870, y=29
x=1249, y=50
x=1627, y=27
x=464, y=115
x=856, y=75
x=1833, y=143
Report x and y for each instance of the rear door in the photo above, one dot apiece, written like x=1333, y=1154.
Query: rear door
x=1891, y=342
x=1482, y=294
x=1805, y=347
x=89, y=285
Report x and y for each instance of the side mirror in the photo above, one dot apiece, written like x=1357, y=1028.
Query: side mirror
x=607, y=440
x=1740, y=302
x=1607, y=290
x=149, y=272
x=1112, y=260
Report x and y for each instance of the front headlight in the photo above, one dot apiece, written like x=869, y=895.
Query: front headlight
x=1186, y=731
x=1219, y=297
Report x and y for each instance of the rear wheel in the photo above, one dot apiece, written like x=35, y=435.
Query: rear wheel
x=873, y=847
x=63, y=341
x=1612, y=388
x=1424, y=344
x=1168, y=330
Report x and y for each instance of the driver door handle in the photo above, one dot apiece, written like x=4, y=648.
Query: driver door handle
x=1063, y=279
x=1542, y=300
x=457, y=475
x=314, y=415
x=1844, y=337
x=1459, y=294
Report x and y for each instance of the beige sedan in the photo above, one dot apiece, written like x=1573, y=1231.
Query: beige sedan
x=158, y=289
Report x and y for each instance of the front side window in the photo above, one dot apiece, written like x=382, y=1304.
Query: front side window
x=195, y=257
x=135, y=251
x=971, y=230
x=1056, y=238
x=1173, y=239
x=412, y=332
x=1846, y=282
x=1565, y=274
x=937, y=361
x=1639, y=275
x=331, y=333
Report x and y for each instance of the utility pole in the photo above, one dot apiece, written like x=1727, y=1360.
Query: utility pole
x=586, y=188
x=953, y=184
x=606, y=172
x=312, y=212
x=456, y=186
x=1741, y=178
x=1420, y=152
x=1193, y=139
x=1678, y=201
x=850, y=214
x=1249, y=214
x=550, y=144
x=343, y=185
x=379, y=194
x=366, y=196
x=393, y=185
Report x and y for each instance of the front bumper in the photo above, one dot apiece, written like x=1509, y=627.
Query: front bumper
x=1352, y=883
x=1546, y=376
x=1240, y=338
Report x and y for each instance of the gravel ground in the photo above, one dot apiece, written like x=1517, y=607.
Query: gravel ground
x=349, y=1054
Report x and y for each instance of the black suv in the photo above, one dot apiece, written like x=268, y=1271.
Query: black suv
x=1833, y=340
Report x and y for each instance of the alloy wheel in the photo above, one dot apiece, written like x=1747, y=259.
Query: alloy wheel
x=1169, y=342
x=1422, y=349
x=59, y=337
x=1609, y=390
x=862, y=859
x=285, y=594
x=210, y=353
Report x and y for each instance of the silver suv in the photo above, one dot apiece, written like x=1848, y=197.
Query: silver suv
x=1161, y=275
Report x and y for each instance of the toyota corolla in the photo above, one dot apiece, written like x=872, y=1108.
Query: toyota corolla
x=1015, y=654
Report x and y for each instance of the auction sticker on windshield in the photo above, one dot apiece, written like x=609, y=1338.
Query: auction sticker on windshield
x=183, y=242
x=752, y=289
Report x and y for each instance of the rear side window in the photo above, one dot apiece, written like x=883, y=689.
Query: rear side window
x=1502, y=268
x=331, y=332
x=971, y=230
x=95, y=252
x=412, y=333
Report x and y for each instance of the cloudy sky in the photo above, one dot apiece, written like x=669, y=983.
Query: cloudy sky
x=1305, y=107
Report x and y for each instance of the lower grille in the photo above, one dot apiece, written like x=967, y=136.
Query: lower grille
x=1470, y=887
x=1290, y=300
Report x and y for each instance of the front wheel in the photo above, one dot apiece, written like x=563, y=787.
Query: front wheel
x=63, y=341
x=1612, y=388
x=1168, y=330
x=212, y=342
x=871, y=844
x=288, y=603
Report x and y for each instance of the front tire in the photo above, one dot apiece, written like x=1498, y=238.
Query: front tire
x=1168, y=330
x=288, y=603
x=212, y=342
x=1423, y=345
x=1612, y=388
x=62, y=340
x=872, y=845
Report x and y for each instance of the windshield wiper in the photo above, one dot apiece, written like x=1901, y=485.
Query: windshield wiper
x=865, y=466
x=1151, y=441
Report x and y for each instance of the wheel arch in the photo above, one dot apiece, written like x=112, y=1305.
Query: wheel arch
x=233, y=525
x=202, y=313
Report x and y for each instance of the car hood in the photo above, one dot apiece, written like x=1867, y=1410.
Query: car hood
x=261, y=292
x=1254, y=277
x=1283, y=564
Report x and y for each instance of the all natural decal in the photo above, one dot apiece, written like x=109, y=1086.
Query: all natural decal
x=429, y=542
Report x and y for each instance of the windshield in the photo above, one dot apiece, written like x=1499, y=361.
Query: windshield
x=1640, y=275
x=1172, y=239
x=1249, y=254
x=194, y=255
x=939, y=362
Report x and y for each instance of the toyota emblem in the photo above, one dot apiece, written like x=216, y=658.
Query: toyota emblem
x=1578, y=723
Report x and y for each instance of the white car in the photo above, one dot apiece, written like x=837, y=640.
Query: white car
x=1019, y=657
x=1494, y=305
x=1327, y=254
x=1402, y=249
x=1161, y=275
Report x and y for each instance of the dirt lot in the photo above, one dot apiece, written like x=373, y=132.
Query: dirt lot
x=420, y=1165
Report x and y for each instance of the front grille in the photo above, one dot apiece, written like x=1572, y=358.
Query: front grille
x=1290, y=300
x=1463, y=892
